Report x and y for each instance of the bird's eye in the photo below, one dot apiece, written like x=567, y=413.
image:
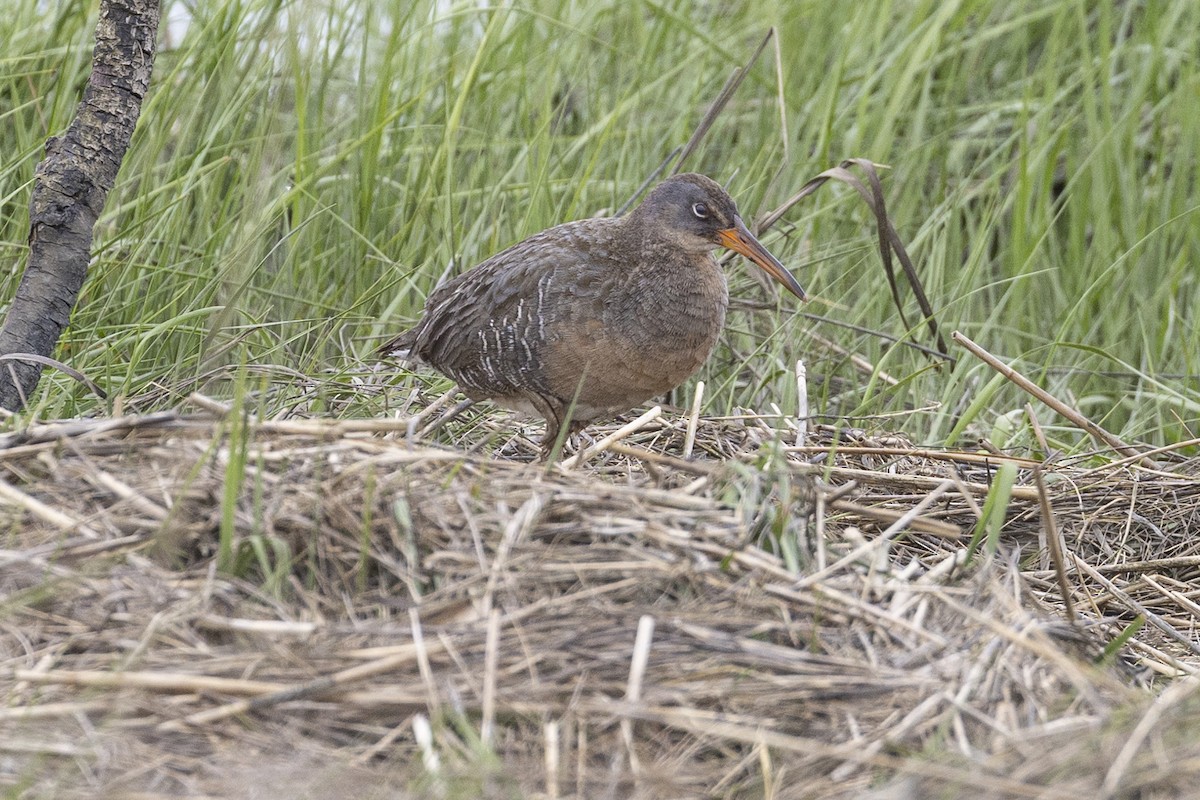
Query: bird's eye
x=700, y=210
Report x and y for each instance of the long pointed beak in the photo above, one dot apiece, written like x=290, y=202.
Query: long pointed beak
x=740, y=240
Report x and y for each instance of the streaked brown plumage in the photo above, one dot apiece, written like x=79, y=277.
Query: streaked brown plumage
x=604, y=313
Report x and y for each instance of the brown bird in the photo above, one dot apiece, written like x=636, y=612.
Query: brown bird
x=588, y=319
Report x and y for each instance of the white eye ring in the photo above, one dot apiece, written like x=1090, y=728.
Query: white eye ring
x=700, y=210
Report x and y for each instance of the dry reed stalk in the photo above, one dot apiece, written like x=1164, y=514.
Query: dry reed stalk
x=616, y=436
x=56, y=518
x=689, y=440
x=1071, y=414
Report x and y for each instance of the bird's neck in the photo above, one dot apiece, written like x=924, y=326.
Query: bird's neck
x=659, y=253
x=670, y=293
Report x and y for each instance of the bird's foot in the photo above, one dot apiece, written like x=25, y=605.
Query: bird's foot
x=549, y=441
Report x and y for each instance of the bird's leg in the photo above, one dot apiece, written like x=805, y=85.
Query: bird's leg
x=550, y=439
x=554, y=412
x=553, y=429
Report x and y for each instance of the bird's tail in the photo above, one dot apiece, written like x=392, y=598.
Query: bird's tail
x=399, y=348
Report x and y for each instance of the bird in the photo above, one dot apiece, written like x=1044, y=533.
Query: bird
x=588, y=319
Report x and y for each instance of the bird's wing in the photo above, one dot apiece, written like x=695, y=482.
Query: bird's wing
x=488, y=328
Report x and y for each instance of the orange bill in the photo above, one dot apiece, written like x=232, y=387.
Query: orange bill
x=740, y=240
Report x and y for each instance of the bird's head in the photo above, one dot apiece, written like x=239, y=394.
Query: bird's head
x=694, y=213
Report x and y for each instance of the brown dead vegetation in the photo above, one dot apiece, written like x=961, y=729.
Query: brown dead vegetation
x=410, y=619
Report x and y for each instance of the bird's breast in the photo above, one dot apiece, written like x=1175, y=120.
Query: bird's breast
x=675, y=313
x=642, y=336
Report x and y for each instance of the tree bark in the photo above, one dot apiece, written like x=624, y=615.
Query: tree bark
x=70, y=187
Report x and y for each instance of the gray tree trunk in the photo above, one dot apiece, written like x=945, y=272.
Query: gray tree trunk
x=70, y=187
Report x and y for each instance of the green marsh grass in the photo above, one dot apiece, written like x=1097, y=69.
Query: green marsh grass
x=304, y=173
x=986, y=537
